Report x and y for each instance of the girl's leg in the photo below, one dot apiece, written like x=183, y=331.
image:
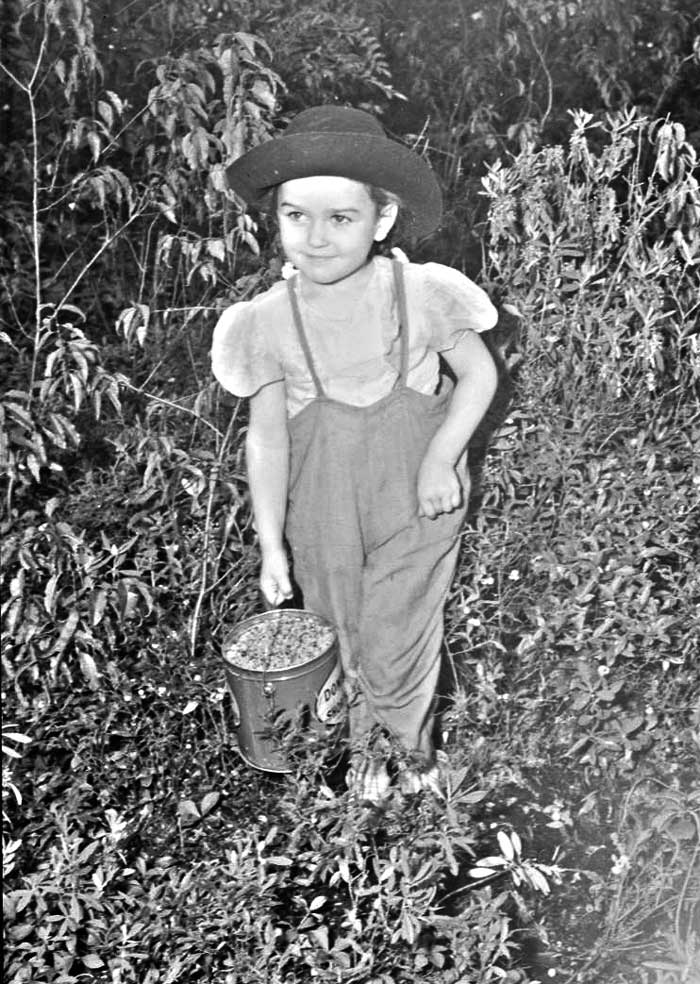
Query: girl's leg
x=406, y=583
x=334, y=591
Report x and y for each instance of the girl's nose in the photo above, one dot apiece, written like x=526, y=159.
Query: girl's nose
x=317, y=233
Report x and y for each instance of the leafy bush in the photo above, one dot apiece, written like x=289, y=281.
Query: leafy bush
x=577, y=608
x=137, y=865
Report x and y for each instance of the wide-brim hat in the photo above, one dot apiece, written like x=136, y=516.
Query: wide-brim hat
x=348, y=143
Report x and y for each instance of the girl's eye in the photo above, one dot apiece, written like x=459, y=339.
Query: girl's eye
x=294, y=216
x=341, y=219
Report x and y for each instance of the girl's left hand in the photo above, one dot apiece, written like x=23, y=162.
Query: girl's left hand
x=439, y=488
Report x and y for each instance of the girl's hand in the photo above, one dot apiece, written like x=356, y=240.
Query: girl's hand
x=274, y=576
x=439, y=488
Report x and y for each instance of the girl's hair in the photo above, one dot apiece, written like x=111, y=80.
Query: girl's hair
x=382, y=198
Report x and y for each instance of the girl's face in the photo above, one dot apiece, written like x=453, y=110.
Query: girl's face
x=327, y=226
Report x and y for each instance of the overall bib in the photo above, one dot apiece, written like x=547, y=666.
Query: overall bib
x=362, y=556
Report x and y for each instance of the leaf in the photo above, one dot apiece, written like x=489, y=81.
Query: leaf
x=317, y=903
x=480, y=872
x=17, y=585
x=92, y=961
x=538, y=880
x=33, y=465
x=21, y=931
x=495, y=861
x=188, y=810
x=99, y=602
x=319, y=936
x=506, y=846
x=190, y=706
x=116, y=101
x=106, y=112
x=50, y=594
x=89, y=670
x=262, y=93
x=189, y=151
x=475, y=797
x=208, y=803
x=141, y=588
x=248, y=41
x=202, y=141
x=251, y=241
x=67, y=631
x=409, y=926
x=173, y=971
x=217, y=249
x=20, y=414
x=631, y=724
x=512, y=310
x=94, y=145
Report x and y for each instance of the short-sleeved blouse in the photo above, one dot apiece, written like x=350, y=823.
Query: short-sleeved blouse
x=357, y=357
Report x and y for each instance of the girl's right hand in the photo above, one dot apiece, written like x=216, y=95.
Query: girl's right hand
x=274, y=576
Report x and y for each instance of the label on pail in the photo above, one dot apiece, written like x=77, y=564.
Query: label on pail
x=330, y=701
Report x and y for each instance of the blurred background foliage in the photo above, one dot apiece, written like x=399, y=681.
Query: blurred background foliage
x=565, y=137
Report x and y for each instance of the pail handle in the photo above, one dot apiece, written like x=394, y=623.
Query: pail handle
x=268, y=687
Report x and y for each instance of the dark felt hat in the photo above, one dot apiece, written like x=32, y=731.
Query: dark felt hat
x=346, y=142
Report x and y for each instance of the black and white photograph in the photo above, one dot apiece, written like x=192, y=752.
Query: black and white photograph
x=350, y=491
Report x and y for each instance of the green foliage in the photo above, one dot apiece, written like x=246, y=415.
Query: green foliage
x=583, y=571
x=148, y=863
x=487, y=79
x=325, y=51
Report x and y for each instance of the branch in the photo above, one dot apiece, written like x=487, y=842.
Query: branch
x=105, y=245
x=550, y=84
x=213, y=478
x=123, y=381
x=35, y=239
x=14, y=78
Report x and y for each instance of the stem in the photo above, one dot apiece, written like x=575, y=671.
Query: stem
x=213, y=478
x=36, y=242
x=683, y=897
x=105, y=245
x=123, y=381
x=543, y=63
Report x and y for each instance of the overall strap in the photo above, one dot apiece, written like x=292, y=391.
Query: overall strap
x=302, y=336
x=403, y=320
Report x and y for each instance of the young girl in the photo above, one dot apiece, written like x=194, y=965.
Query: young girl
x=356, y=447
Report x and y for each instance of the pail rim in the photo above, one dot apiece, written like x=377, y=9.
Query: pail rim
x=283, y=672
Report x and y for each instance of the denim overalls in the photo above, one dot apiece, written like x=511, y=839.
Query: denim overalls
x=362, y=556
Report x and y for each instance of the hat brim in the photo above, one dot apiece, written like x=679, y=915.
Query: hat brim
x=371, y=159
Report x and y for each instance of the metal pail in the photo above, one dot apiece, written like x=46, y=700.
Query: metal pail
x=316, y=684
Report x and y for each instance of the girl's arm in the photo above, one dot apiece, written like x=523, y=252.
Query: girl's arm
x=267, y=453
x=439, y=487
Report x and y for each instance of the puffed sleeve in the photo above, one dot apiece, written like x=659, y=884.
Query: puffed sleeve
x=242, y=358
x=453, y=305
